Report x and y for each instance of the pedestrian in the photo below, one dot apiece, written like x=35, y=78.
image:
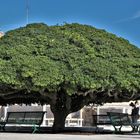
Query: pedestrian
x=134, y=114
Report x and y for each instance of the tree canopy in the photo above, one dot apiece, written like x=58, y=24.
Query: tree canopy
x=39, y=63
x=78, y=57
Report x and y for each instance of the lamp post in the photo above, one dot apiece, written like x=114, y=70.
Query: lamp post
x=27, y=11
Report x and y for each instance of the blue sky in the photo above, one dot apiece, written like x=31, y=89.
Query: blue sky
x=121, y=17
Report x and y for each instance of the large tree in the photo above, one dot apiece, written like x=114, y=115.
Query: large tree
x=67, y=67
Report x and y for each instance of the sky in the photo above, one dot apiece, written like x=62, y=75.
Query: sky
x=120, y=17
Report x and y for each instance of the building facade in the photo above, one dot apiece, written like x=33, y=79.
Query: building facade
x=73, y=119
x=87, y=116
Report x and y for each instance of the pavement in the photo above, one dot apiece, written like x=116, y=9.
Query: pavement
x=26, y=136
x=28, y=129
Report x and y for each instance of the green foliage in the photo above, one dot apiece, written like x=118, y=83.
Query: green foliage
x=74, y=56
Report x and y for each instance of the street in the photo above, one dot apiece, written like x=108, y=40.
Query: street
x=25, y=136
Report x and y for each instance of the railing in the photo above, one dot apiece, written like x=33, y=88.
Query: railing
x=69, y=122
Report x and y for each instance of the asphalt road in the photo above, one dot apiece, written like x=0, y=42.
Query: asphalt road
x=23, y=136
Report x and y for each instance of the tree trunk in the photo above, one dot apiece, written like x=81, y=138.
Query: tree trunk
x=60, y=109
x=59, y=121
x=62, y=106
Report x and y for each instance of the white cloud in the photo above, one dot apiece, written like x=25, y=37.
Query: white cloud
x=135, y=16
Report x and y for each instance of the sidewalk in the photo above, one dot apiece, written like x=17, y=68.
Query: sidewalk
x=28, y=129
x=23, y=136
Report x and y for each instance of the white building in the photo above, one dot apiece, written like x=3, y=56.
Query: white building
x=87, y=116
x=73, y=119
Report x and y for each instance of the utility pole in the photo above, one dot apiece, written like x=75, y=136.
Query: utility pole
x=27, y=12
